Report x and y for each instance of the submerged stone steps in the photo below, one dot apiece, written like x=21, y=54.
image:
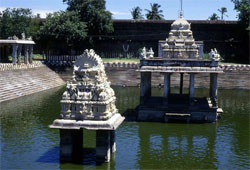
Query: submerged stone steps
x=21, y=82
x=5, y=85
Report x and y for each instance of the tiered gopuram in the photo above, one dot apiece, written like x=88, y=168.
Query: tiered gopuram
x=89, y=103
x=180, y=43
x=89, y=95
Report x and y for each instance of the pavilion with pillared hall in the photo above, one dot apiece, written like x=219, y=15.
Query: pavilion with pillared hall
x=179, y=54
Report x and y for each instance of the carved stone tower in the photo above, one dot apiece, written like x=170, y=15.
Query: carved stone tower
x=88, y=103
x=89, y=95
x=180, y=43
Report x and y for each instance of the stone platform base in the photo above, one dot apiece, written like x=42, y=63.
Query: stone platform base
x=155, y=115
x=71, y=137
x=110, y=124
x=156, y=111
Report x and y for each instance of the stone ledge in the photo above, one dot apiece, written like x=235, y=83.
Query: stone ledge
x=225, y=67
x=164, y=69
x=110, y=124
x=228, y=67
x=10, y=66
x=178, y=114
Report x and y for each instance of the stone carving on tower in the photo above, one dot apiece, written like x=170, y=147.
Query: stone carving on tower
x=88, y=95
x=180, y=43
x=214, y=55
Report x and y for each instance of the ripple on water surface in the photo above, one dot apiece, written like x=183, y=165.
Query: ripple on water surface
x=28, y=143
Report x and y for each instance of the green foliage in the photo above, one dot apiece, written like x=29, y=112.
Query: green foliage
x=243, y=7
x=34, y=56
x=136, y=13
x=15, y=22
x=214, y=17
x=223, y=10
x=63, y=27
x=94, y=13
x=154, y=13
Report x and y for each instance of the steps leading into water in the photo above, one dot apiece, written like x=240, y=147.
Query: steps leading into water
x=21, y=82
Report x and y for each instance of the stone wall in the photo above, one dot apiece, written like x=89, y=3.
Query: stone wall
x=21, y=80
x=124, y=74
x=229, y=37
x=234, y=76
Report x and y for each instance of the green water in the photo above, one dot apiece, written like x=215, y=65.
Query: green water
x=28, y=143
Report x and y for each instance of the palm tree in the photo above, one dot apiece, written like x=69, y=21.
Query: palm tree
x=214, y=17
x=223, y=10
x=154, y=13
x=136, y=13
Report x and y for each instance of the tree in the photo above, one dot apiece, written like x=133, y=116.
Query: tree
x=136, y=13
x=154, y=13
x=63, y=27
x=214, y=17
x=94, y=13
x=15, y=22
x=223, y=10
x=243, y=7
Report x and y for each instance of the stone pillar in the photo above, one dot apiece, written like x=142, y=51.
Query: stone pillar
x=30, y=53
x=191, y=87
x=71, y=145
x=26, y=54
x=181, y=83
x=102, y=145
x=19, y=53
x=145, y=87
x=112, y=141
x=213, y=88
x=14, y=53
x=167, y=86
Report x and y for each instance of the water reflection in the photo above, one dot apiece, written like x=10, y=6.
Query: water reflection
x=176, y=145
x=28, y=143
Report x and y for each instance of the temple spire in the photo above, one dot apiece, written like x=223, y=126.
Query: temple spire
x=181, y=12
x=181, y=5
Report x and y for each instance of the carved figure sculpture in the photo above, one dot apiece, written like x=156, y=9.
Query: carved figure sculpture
x=23, y=36
x=15, y=37
x=143, y=54
x=150, y=53
x=214, y=55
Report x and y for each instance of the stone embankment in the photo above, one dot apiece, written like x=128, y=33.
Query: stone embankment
x=125, y=74
x=25, y=79
x=234, y=76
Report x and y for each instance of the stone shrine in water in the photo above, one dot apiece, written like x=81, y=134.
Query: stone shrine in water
x=89, y=103
x=179, y=54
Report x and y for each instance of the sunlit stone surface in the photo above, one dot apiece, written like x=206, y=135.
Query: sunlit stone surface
x=182, y=55
x=88, y=95
x=180, y=43
x=88, y=103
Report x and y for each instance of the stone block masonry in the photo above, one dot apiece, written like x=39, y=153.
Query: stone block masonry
x=25, y=79
x=234, y=76
x=124, y=74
